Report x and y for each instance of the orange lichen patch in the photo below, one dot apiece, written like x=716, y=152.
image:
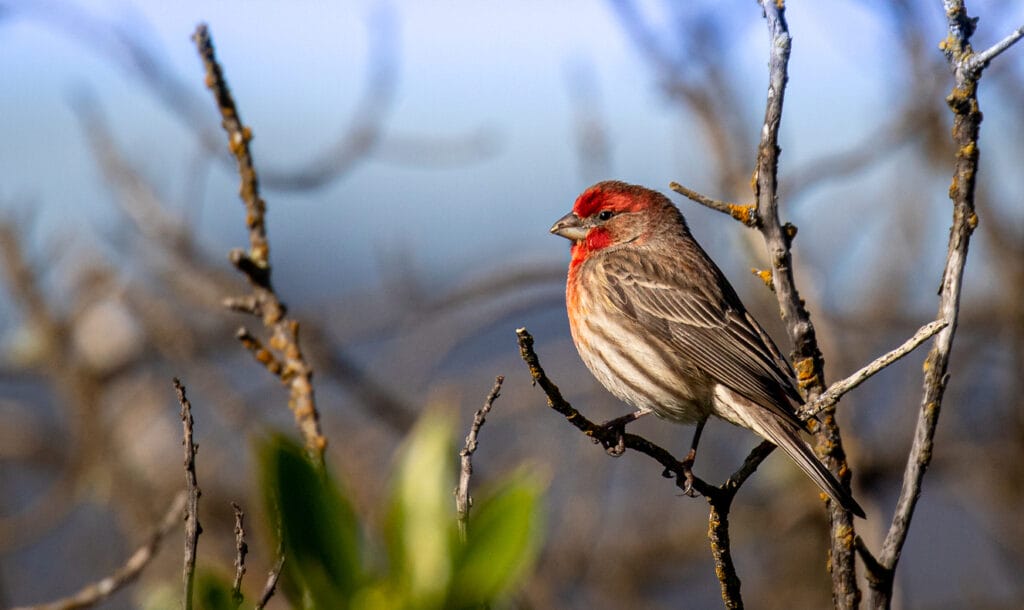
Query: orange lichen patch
x=804, y=370
x=845, y=536
x=968, y=151
x=743, y=213
x=765, y=275
x=954, y=187
x=278, y=342
x=972, y=220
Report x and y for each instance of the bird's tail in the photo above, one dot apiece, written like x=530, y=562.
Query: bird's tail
x=786, y=436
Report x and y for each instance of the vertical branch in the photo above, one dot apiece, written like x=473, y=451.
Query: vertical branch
x=721, y=551
x=192, y=527
x=294, y=372
x=963, y=102
x=808, y=360
x=271, y=585
x=463, y=501
x=241, y=549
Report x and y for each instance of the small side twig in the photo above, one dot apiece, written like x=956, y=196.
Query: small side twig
x=192, y=527
x=743, y=213
x=241, y=549
x=463, y=501
x=836, y=391
x=980, y=61
x=271, y=586
x=96, y=592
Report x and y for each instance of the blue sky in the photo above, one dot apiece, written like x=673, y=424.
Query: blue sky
x=498, y=70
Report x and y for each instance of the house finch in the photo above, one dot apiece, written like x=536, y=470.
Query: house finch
x=655, y=320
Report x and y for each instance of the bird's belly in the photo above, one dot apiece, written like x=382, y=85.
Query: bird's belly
x=641, y=373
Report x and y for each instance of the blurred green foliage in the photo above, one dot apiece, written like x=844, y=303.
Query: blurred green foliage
x=334, y=561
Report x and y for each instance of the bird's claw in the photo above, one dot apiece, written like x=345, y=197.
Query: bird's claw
x=688, y=479
x=614, y=429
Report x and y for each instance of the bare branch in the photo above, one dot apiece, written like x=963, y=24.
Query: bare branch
x=963, y=101
x=241, y=549
x=296, y=374
x=980, y=61
x=742, y=213
x=808, y=360
x=192, y=527
x=463, y=501
x=99, y=591
x=719, y=498
x=839, y=388
x=271, y=586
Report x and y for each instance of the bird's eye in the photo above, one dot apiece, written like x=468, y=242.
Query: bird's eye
x=605, y=215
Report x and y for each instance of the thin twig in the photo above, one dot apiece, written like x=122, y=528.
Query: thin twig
x=241, y=549
x=260, y=353
x=601, y=434
x=98, y=591
x=980, y=61
x=271, y=586
x=836, y=391
x=295, y=373
x=719, y=498
x=742, y=213
x=463, y=501
x=192, y=527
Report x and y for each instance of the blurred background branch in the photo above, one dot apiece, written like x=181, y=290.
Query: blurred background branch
x=416, y=158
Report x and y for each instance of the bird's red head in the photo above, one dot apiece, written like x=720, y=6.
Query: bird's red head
x=608, y=214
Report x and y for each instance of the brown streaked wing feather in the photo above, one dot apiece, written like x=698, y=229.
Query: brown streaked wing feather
x=706, y=326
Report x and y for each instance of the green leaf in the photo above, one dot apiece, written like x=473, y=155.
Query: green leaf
x=211, y=591
x=421, y=531
x=318, y=528
x=503, y=541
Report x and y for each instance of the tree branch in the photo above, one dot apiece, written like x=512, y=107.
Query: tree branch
x=241, y=549
x=271, y=585
x=742, y=213
x=839, y=388
x=980, y=61
x=719, y=498
x=192, y=526
x=463, y=501
x=99, y=591
x=295, y=373
x=963, y=101
x=808, y=360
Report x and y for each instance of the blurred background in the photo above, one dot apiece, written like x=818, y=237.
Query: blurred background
x=413, y=156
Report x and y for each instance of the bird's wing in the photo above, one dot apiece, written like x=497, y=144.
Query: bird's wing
x=706, y=326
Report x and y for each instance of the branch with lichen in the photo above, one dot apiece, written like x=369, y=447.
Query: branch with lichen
x=967, y=67
x=615, y=443
x=285, y=360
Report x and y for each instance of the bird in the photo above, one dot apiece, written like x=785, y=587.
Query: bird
x=660, y=327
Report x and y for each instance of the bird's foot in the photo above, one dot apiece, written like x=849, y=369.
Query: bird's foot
x=613, y=439
x=688, y=479
x=688, y=476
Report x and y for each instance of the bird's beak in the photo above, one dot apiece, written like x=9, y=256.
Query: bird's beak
x=569, y=227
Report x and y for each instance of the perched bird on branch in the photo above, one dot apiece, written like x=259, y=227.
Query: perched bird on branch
x=657, y=323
